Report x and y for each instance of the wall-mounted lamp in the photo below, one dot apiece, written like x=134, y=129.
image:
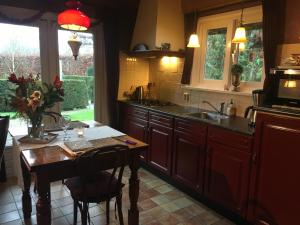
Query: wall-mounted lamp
x=194, y=39
x=240, y=32
x=73, y=18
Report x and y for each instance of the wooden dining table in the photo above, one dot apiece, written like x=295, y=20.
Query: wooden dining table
x=52, y=163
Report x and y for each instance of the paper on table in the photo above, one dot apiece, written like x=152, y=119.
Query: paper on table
x=101, y=132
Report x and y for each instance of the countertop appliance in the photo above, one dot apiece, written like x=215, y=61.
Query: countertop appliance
x=286, y=87
x=258, y=97
x=139, y=93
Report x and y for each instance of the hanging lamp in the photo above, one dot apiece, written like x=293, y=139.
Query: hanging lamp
x=74, y=44
x=73, y=18
x=240, y=32
x=194, y=39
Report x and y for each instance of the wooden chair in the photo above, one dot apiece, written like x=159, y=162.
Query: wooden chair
x=4, y=123
x=95, y=184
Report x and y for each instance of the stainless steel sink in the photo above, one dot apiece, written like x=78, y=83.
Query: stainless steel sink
x=209, y=116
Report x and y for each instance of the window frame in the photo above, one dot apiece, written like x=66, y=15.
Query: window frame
x=230, y=21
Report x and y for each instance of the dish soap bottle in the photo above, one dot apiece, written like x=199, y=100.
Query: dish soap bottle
x=231, y=109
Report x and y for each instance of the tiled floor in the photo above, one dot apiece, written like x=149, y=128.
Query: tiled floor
x=159, y=203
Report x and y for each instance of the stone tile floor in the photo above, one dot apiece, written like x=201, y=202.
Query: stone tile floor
x=159, y=203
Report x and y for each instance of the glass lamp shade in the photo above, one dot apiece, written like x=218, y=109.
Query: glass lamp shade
x=193, y=41
x=74, y=44
x=240, y=35
x=72, y=19
x=242, y=47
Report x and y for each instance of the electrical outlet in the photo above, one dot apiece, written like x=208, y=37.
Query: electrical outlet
x=186, y=96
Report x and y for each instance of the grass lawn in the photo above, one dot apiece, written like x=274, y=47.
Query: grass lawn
x=79, y=114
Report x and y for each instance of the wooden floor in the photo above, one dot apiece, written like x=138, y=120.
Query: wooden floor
x=159, y=203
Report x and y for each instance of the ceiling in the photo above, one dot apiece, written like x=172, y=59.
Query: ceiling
x=94, y=7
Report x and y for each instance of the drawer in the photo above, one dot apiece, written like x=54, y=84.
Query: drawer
x=230, y=138
x=161, y=119
x=138, y=113
x=190, y=127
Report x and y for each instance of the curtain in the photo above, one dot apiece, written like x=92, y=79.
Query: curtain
x=273, y=34
x=111, y=40
x=101, y=106
x=189, y=28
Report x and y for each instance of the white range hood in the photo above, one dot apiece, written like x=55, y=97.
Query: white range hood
x=159, y=21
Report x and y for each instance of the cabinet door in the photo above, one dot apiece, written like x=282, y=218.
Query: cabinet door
x=189, y=160
x=275, y=188
x=227, y=176
x=160, y=146
x=137, y=128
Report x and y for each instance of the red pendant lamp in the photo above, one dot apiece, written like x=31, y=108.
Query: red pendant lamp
x=73, y=18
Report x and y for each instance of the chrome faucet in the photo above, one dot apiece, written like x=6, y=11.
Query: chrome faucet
x=221, y=111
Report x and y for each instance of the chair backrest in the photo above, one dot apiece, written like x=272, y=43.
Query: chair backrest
x=92, y=162
x=4, y=123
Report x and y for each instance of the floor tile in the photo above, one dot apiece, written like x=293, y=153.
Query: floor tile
x=159, y=204
x=8, y=208
x=8, y=217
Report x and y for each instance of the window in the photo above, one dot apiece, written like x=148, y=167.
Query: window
x=215, y=54
x=19, y=54
x=78, y=76
x=213, y=60
x=252, y=57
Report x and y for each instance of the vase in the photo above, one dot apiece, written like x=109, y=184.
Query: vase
x=236, y=80
x=35, y=129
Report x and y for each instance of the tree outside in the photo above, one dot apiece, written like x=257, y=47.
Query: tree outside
x=215, y=54
x=252, y=57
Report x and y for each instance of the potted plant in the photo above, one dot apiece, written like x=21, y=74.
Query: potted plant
x=33, y=99
x=236, y=71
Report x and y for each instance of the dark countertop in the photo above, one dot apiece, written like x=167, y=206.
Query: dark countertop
x=282, y=111
x=236, y=124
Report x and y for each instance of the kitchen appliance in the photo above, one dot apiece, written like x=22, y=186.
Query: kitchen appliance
x=139, y=93
x=285, y=88
x=258, y=97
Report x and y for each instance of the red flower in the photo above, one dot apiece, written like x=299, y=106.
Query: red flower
x=57, y=83
x=13, y=78
x=21, y=80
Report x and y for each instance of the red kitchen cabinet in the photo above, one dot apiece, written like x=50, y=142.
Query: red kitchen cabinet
x=275, y=184
x=160, y=142
x=189, y=153
x=138, y=129
x=228, y=169
x=134, y=122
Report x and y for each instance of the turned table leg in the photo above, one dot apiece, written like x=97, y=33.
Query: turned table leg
x=26, y=198
x=43, y=206
x=133, y=212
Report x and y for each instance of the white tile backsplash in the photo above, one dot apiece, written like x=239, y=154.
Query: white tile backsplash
x=167, y=80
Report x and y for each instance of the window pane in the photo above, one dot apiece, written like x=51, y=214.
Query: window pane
x=215, y=54
x=78, y=76
x=252, y=57
x=19, y=54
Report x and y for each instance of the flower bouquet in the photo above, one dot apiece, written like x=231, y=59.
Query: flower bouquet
x=33, y=99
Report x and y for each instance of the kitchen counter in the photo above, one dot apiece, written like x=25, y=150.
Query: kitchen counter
x=236, y=124
x=283, y=111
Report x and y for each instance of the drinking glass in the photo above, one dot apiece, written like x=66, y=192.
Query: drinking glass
x=65, y=123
